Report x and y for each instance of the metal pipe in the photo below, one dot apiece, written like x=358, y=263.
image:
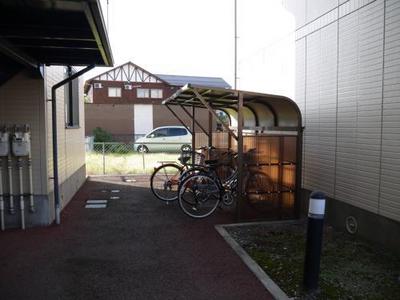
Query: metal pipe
x=31, y=202
x=10, y=181
x=21, y=192
x=57, y=200
x=1, y=196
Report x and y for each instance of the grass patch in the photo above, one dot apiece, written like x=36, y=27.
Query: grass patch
x=121, y=164
x=350, y=267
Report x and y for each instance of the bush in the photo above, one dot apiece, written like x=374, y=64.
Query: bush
x=101, y=136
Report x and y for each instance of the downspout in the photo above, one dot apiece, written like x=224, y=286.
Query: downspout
x=57, y=201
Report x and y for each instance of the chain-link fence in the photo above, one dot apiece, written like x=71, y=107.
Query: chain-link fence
x=128, y=158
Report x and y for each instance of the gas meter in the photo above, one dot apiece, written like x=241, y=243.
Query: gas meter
x=4, y=142
x=21, y=141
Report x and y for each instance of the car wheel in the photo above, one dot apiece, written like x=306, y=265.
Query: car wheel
x=186, y=148
x=142, y=148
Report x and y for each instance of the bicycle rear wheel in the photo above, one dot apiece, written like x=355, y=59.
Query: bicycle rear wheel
x=164, y=182
x=199, y=196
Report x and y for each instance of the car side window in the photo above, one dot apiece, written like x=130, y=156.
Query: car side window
x=176, y=131
x=160, y=133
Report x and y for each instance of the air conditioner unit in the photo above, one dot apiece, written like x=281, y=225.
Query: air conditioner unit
x=97, y=85
x=128, y=86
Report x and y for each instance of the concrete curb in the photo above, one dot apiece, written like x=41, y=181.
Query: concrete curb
x=268, y=283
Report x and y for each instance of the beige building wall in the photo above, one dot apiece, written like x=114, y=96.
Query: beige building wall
x=22, y=102
x=71, y=141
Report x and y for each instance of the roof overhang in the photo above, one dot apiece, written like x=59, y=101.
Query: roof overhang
x=270, y=111
x=53, y=32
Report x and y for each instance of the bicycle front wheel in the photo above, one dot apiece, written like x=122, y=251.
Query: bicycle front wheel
x=199, y=196
x=164, y=182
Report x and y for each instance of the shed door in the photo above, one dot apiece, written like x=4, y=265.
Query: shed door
x=143, y=118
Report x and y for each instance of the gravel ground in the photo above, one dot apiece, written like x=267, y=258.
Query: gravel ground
x=350, y=268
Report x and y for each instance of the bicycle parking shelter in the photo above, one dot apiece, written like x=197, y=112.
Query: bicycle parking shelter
x=270, y=124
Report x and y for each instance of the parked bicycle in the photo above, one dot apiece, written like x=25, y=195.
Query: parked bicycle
x=200, y=194
x=165, y=179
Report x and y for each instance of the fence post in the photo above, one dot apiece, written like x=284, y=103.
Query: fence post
x=144, y=164
x=104, y=160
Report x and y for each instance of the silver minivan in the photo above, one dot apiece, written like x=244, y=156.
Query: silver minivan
x=165, y=139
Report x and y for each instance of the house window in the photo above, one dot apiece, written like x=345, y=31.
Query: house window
x=71, y=100
x=156, y=93
x=97, y=85
x=143, y=93
x=114, y=92
x=128, y=86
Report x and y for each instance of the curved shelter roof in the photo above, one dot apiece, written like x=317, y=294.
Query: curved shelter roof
x=259, y=110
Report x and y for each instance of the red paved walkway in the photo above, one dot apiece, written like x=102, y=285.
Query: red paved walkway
x=137, y=248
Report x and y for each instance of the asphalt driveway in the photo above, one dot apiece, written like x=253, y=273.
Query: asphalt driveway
x=136, y=248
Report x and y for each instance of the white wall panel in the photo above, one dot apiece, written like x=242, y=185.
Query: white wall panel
x=359, y=106
x=320, y=110
x=389, y=204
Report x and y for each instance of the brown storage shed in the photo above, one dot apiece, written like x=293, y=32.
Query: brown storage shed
x=266, y=132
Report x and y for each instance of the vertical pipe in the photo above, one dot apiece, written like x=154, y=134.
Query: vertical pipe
x=21, y=193
x=31, y=203
x=1, y=196
x=240, y=205
x=10, y=181
x=57, y=201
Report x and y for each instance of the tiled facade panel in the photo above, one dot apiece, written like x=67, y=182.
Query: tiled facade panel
x=352, y=112
x=320, y=110
x=359, y=107
x=389, y=204
x=22, y=102
x=315, y=8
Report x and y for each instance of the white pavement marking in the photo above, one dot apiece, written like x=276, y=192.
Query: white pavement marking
x=114, y=198
x=96, y=201
x=114, y=191
x=95, y=205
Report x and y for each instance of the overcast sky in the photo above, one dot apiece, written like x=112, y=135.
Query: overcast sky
x=192, y=37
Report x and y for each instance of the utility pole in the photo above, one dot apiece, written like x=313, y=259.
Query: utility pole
x=235, y=43
x=108, y=27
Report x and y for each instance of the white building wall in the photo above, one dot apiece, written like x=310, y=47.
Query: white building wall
x=351, y=107
x=389, y=204
x=71, y=141
x=22, y=102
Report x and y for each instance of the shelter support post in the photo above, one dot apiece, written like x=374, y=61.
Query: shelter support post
x=210, y=129
x=193, y=133
x=240, y=158
x=57, y=200
x=299, y=163
x=211, y=110
x=194, y=119
x=179, y=119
